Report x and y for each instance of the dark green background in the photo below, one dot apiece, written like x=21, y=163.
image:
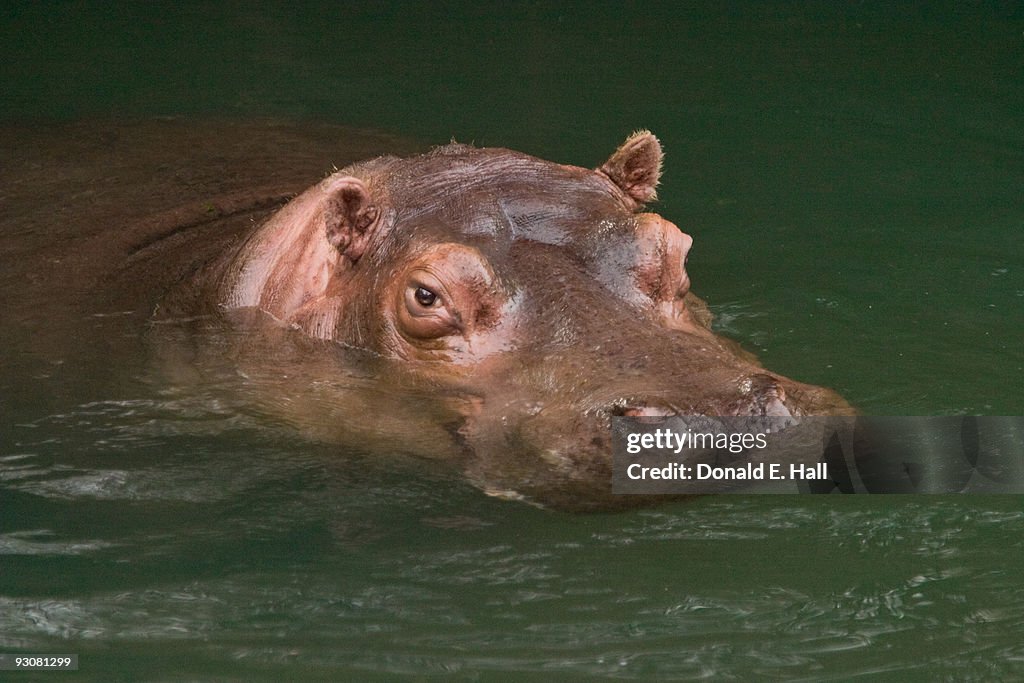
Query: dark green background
x=853, y=176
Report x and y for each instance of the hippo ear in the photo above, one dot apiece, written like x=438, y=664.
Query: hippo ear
x=349, y=215
x=636, y=166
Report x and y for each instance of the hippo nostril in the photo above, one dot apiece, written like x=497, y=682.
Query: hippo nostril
x=764, y=395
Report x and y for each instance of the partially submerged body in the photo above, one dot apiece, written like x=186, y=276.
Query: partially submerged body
x=475, y=305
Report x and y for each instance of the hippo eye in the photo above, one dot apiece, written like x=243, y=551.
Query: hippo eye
x=425, y=313
x=424, y=297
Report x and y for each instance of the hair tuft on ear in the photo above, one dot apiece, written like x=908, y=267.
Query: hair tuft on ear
x=636, y=166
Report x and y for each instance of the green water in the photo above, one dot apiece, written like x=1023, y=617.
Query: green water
x=853, y=177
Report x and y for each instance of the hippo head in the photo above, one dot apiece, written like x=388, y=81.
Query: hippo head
x=545, y=292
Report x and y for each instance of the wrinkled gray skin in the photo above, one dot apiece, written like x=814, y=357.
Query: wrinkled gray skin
x=553, y=300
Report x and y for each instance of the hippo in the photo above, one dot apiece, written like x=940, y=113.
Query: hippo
x=521, y=303
x=478, y=309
